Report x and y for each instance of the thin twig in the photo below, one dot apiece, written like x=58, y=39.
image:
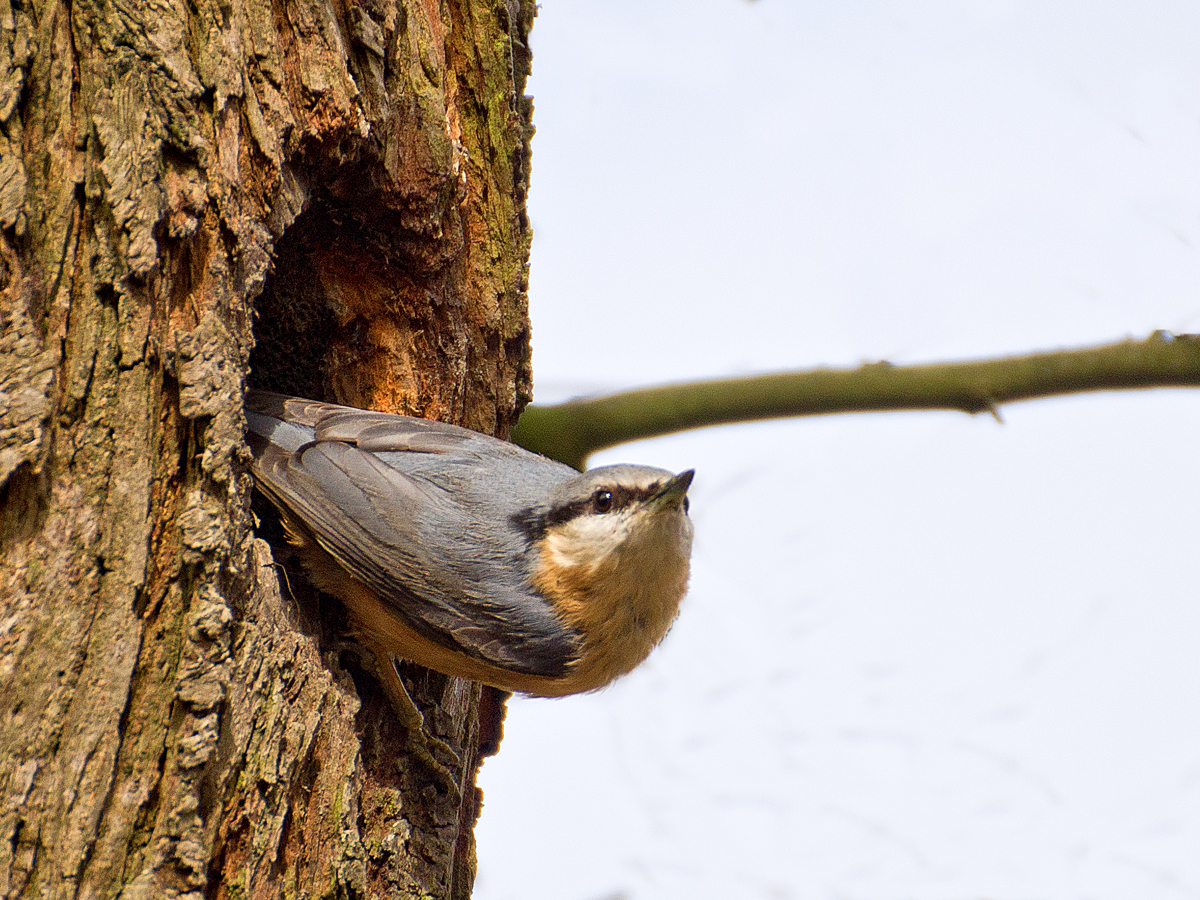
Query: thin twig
x=572, y=431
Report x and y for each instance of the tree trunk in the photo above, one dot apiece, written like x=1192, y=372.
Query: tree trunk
x=320, y=198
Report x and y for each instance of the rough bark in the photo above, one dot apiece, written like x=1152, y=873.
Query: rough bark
x=342, y=187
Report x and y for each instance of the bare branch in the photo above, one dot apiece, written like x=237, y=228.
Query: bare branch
x=574, y=430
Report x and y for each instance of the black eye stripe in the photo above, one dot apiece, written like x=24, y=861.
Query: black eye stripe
x=534, y=524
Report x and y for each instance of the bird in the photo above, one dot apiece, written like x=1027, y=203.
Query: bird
x=469, y=555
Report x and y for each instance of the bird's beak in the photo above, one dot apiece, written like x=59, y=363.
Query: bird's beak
x=672, y=493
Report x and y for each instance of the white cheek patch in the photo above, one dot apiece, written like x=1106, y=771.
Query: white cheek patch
x=586, y=541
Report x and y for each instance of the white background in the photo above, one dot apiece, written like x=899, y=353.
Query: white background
x=924, y=655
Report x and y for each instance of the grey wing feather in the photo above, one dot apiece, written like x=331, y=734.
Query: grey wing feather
x=449, y=576
x=371, y=431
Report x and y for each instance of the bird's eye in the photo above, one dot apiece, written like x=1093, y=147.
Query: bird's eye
x=602, y=501
x=687, y=504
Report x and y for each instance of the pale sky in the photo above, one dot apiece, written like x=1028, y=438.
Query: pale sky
x=924, y=655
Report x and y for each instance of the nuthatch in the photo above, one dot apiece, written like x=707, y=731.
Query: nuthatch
x=471, y=556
